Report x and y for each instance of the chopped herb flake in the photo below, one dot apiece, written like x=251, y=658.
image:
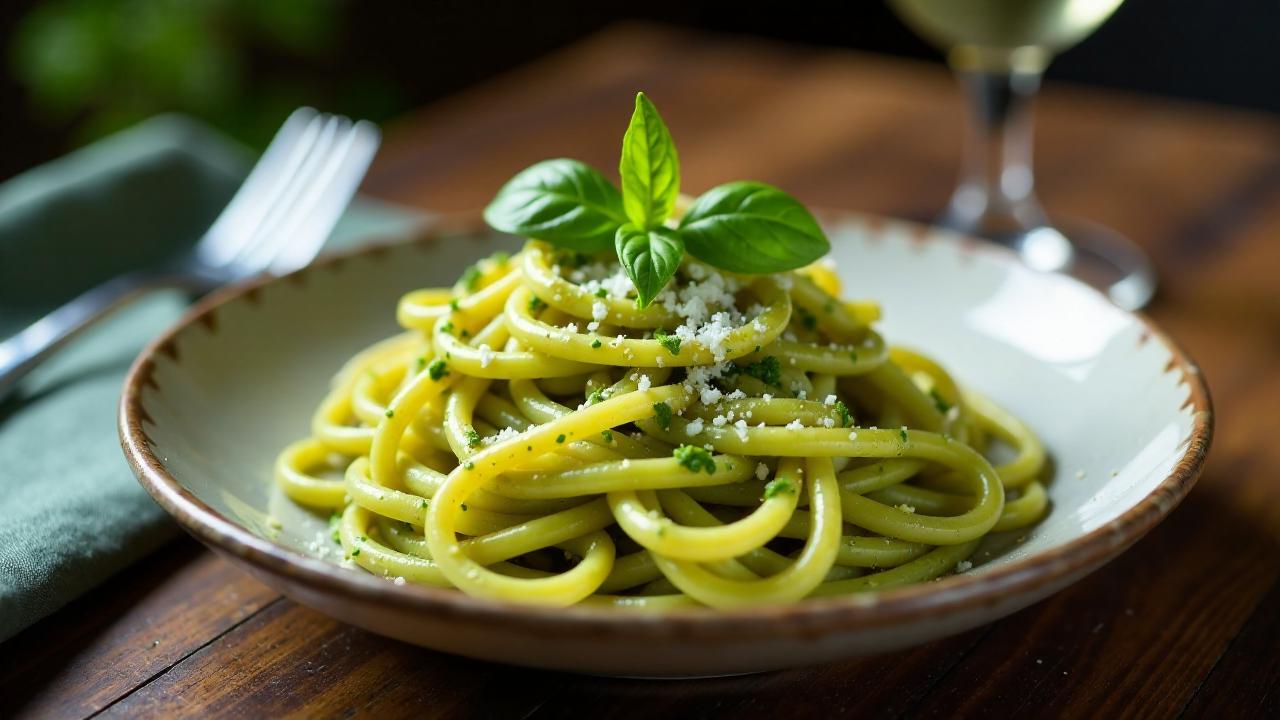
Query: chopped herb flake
x=500, y=258
x=767, y=370
x=560, y=438
x=470, y=278
x=421, y=363
x=607, y=435
x=807, y=319
x=846, y=417
x=903, y=434
x=468, y=465
x=938, y=401
x=390, y=413
x=447, y=327
x=473, y=438
x=595, y=397
x=595, y=344
x=464, y=507
x=602, y=293
x=695, y=458
x=777, y=487
x=437, y=369
x=853, y=355
x=535, y=303
x=670, y=342
x=662, y=413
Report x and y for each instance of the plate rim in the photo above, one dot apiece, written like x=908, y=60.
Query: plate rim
x=949, y=595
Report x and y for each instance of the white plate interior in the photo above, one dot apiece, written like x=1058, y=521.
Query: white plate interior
x=1080, y=371
x=1084, y=374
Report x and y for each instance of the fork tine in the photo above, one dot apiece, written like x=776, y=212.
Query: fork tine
x=255, y=253
x=268, y=234
x=230, y=231
x=296, y=233
x=318, y=214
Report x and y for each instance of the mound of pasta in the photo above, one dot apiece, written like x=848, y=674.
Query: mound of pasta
x=535, y=436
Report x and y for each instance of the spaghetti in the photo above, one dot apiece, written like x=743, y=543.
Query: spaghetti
x=534, y=436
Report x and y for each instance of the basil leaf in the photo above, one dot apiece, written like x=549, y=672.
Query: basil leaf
x=564, y=202
x=751, y=227
x=650, y=258
x=650, y=168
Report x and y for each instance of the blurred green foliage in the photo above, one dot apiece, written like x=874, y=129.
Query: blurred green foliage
x=95, y=66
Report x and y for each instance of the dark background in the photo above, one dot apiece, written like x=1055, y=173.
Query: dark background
x=74, y=70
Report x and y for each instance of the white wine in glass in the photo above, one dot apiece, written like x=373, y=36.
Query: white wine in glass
x=998, y=50
x=1003, y=25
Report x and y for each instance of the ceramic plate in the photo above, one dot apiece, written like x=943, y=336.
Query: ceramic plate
x=1123, y=412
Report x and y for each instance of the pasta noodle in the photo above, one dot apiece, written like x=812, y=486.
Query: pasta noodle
x=534, y=436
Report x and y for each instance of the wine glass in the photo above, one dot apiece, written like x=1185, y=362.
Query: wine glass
x=998, y=50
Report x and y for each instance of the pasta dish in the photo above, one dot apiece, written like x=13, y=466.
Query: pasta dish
x=662, y=404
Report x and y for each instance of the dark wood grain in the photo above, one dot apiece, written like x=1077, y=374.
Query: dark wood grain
x=118, y=637
x=1135, y=640
x=1186, y=621
x=882, y=687
x=371, y=676
x=290, y=661
x=1246, y=682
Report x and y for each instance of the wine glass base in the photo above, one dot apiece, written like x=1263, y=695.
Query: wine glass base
x=1087, y=251
x=1110, y=262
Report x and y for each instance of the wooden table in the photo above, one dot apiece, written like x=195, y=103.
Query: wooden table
x=1188, y=621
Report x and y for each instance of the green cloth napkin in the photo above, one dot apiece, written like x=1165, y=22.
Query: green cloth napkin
x=71, y=512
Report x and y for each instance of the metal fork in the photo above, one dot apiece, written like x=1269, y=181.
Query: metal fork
x=276, y=222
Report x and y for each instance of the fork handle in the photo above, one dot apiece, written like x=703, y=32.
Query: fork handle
x=22, y=352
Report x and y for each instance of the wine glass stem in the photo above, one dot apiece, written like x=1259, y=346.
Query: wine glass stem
x=995, y=197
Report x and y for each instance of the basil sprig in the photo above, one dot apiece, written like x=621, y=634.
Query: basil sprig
x=650, y=168
x=743, y=227
x=564, y=202
x=750, y=227
x=650, y=257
